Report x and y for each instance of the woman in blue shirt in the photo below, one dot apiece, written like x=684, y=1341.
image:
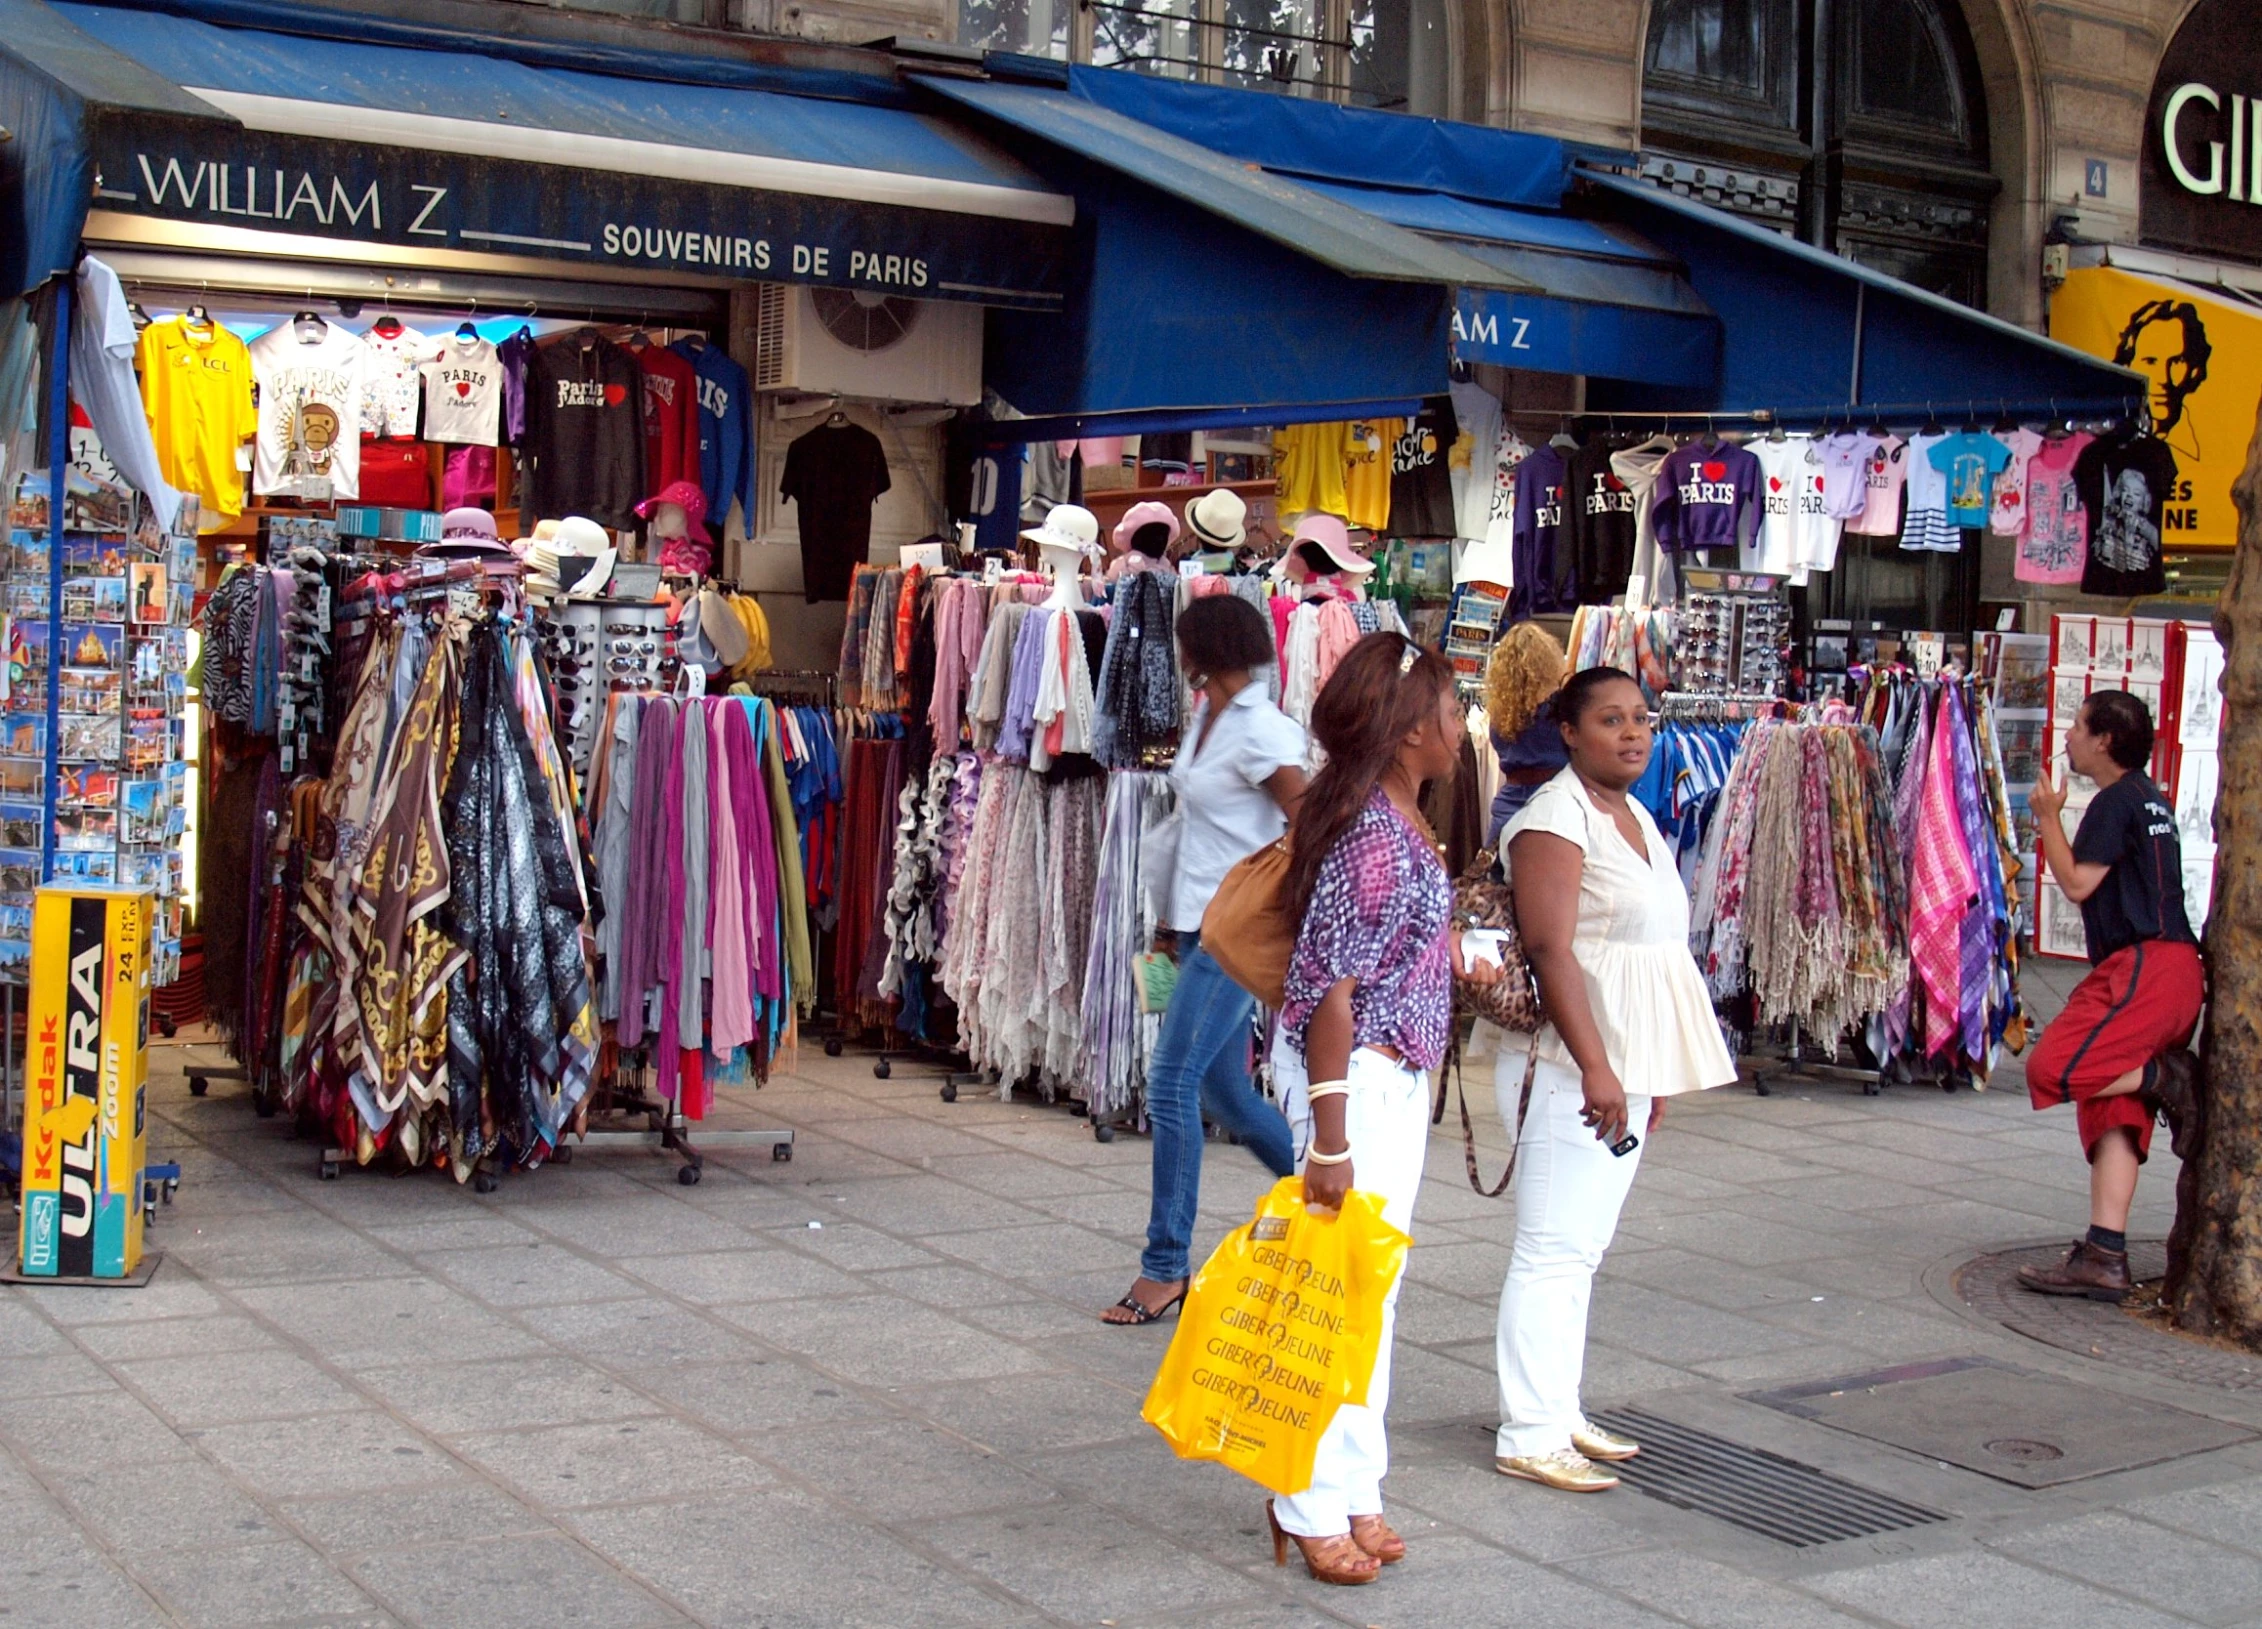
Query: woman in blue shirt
x=1239, y=772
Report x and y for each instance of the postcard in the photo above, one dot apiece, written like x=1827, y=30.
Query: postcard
x=19, y=870
x=87, y=866
x=81, y=831
x=23, y=778
x=27, y=654
x=94, y=556
x=92, y=644
x=23, y=735
x=23, y=824
x=81, y=736
x=152, y=604
x=91, y=690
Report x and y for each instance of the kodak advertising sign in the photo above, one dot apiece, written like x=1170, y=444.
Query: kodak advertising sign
x=84, y=1130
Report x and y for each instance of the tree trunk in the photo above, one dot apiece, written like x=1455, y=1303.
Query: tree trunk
x=2215, y=1283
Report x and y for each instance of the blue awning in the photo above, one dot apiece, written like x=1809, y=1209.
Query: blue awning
x=397, y=145
x=1809, y=335
x=1372, y=196
x=1602, y=301
x=1292, y=136
x=52, y=79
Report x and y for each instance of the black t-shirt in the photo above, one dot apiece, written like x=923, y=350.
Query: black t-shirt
x=584, y=441
x=1421, y=479
x=2130, y=828
x=836, y=474
x=2123, y=481
x=1601, y=522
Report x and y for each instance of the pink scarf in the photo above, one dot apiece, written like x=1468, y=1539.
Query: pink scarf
x=1942, y=884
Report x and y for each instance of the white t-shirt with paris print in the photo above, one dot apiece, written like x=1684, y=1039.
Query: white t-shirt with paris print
x=310, y=399
x=463, y=393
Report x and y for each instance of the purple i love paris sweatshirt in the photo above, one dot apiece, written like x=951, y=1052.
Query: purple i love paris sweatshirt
x=1708, y=497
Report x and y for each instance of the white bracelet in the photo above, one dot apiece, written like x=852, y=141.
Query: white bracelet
x=1327, y=1088
x=1313, y=1156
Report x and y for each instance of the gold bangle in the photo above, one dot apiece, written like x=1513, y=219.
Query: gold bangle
x=1313, y=1156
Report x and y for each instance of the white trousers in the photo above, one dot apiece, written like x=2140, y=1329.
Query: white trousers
x=1386, y=1118
x=1569, y=1190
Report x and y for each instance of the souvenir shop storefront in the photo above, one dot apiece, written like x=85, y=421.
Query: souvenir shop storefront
x=718, y=842
x=416, y=408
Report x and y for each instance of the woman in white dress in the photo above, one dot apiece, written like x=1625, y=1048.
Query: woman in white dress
x=1605, y=924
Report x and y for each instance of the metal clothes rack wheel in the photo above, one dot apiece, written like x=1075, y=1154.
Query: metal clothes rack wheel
x=1797, y=1065
x=666, y=1129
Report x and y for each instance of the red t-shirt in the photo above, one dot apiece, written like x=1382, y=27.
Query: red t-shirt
x=671, y=417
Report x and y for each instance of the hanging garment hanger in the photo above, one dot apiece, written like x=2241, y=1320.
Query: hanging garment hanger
x=196, y=314
x=1970, y=426
x=1932, y=424
x=310, y=318
x=2007, y=422
x=387, y=326
x=639, y=340
x=468, y=329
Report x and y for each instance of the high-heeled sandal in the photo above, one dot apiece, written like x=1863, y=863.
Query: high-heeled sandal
x=1379, y=1539
x=1336, y=1559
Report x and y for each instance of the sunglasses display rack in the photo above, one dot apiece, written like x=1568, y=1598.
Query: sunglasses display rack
x=1731, y=641
x=567, y=636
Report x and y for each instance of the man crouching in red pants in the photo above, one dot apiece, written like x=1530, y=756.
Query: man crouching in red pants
x=2118, y=1050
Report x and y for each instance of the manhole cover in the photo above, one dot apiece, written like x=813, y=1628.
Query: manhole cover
x=2032, y=1429
x=1758, y=1491
x=2025, y=1450
x=1989, y=1286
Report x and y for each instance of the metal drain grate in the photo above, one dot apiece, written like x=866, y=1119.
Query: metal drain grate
x=1758, y=1491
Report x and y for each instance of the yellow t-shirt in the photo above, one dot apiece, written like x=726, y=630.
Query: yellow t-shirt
x=1367, y=483
x=1312, y=459
x=196, y=388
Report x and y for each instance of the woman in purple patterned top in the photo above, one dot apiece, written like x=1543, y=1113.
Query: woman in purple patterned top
x=1369, y=1003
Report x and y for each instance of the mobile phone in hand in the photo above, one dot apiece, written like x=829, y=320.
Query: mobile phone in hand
x=1625, y=1145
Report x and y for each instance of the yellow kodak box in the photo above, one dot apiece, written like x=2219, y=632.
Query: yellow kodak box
x=85, y=1129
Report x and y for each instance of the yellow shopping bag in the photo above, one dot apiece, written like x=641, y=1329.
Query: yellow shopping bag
x=1280, y=1328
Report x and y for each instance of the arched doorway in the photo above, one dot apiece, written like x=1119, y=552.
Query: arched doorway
x=1859, y=124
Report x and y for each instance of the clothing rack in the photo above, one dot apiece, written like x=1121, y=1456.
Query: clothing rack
x=1695, y=707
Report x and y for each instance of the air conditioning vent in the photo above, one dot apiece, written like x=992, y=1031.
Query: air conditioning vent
x=876, y=347
x=769, y=336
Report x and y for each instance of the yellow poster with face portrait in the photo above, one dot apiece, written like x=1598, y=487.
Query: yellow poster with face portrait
x=2202, y=355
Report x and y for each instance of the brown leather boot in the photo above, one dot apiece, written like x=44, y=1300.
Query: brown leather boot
x=2175, y=1097
x=2101, y=1275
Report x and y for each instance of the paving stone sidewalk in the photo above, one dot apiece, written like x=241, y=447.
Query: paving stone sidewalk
x=867, y=1388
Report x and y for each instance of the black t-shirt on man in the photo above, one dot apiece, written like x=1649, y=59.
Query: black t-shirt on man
x=2130, y=828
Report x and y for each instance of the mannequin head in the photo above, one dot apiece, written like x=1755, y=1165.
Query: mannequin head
x=1069, y=537
x=1065, y=567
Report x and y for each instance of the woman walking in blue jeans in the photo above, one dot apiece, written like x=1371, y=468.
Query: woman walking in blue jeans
x=1239, y=772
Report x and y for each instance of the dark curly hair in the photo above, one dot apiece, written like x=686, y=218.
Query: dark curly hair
x=1223, y=633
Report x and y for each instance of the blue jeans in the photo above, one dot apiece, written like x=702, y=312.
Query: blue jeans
x=1200, y=1065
